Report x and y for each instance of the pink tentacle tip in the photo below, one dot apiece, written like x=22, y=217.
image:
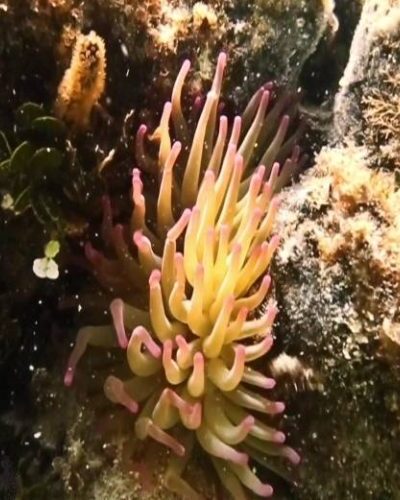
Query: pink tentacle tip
x=238, y=161
x=269, y=383
x=266, y=94
x=292, y=455
x=279, y=437
x=223, y=123
x=209, y=178
x=268, y=342
x=92, y=255
x=186, y=65
x=167, y=106
x=154, y=279
x=137, y=184
x=263, y=249
x=141, y=131
x=176, y=148
x=117, y=313
x=248, y=422
x=255, y=184
x=144, y=336
x=178, y=259
x=132, y=406
x=69, y=376
x=274, y=242
x=129, y=404
x=276, y=407
x=266, y=282
x=115, y=391
x=162, y=437
x=268, y=85
x=272, y=311
x=178, y=228
x=178, y=449
x=222, y=59
x=198, y=361
x=237, y=121
x=138, y=238
x=276, y=167
x=265, y=490
x=260, y=172
x=182, y=343
x=195, y=211
x=136, y=175
x=285, y=122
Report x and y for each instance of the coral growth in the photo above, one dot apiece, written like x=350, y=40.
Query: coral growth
x=204, y=255
x=175, y=23
x=84, y=81
x=148, y=38
x=204, y=15
x=359, y=228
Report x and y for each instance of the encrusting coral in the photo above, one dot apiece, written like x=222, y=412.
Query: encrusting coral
x=83, y=82
x=204, y=255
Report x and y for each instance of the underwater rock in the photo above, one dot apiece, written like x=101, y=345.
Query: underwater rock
x=265, y=39
x=337, y=279
x=337, y=276
x=337, y=273
x=366, y=108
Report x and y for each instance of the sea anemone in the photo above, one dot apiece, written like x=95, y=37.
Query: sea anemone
x=202, y=258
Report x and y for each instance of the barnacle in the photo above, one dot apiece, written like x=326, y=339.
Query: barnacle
x=83, y=82
x=203, y=258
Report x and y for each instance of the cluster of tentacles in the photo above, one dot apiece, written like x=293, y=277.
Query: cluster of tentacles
x=202, y=257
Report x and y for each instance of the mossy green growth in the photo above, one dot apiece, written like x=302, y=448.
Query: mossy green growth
x=39, y=169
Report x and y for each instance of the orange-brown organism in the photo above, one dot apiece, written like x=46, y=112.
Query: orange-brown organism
x=84, y=81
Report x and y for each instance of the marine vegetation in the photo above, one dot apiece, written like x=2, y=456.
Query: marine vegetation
x=41, y=172
x=189, y=277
